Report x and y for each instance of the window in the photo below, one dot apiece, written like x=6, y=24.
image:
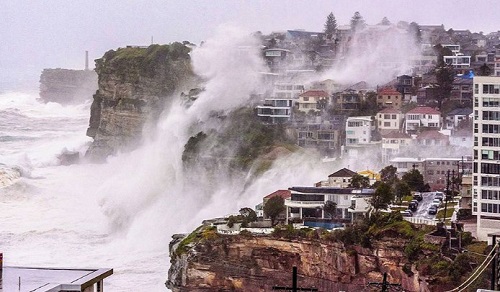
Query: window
x=306, y=98
x=387, y=124
x=386, y=116
x=491, y=88
x=393, y=117
x=476, y=88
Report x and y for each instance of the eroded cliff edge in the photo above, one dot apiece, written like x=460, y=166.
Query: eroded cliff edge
x=135, y=83
x=417, y=258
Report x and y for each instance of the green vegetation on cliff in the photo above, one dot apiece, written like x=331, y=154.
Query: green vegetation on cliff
x=243, y=140
x=131, y=63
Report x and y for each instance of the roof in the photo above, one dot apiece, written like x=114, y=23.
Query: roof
x=460, y=112
x=389, y=110
x=424, y=110
x=52, y=279
x=344, y=172
x=370, y=174
x=396, y=135
x=315, y=93
x=330, y=190
x=432, y=134
x=285, y=194
x=389, y=91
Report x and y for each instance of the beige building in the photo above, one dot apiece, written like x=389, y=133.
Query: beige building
x=389, y=120
x=389, y=97
x=312, y=100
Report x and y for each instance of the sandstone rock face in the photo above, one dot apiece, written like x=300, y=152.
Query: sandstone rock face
x=258, y=263
x=67, y=86
x=135, y=83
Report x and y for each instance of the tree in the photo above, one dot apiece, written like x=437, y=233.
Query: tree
x=414, y=30
x=382, y=197
x=330, y=26
x=484, y=70
x=248, y=214
x=444, y=75
x=359, y=181
x=357, y=22
x=273, y=207
x=369, y=106
x=385, y=21
x=415, y=181
x=401, y=189
x=389, y=175
x=330, y=209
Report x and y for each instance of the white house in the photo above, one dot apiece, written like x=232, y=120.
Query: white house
x=393, y=144
x=307, y=202
x=422, y=117
x=359, y=130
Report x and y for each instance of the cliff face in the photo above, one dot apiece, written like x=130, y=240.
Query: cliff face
x=134, y=85
x=67, y=86
x=258, y=263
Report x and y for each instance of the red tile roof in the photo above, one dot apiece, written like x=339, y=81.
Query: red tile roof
x=285, y=194
x=432, y=134
x=388, y=91
x=389, y=110
x=424, y=110
x=314, y=93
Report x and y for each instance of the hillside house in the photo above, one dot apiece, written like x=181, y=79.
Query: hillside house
x=393, y=144
x=457, y=117
x=275, y=110
x=389, y=97
x=432, y=138
x=359, y=130
x=312, y=100
x=422, y=117
x=389, y=120
x=348, y=100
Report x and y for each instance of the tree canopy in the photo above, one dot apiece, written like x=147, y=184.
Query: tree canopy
x=273, y=207
x=385, y=21
x=330, y=26
x=359, y=181
x=415, y=181
x=389, y=175
x=357, y=22
x=484, y=70
x=330, y=209
x=382, y=197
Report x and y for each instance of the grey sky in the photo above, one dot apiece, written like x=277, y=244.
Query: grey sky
x=40, y=34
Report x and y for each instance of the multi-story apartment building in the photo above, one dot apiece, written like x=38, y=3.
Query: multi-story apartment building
x=389, y=97
x=359, y=130
x=486, y=170
x=275, y=110
x=394, y=143
x=326, y=136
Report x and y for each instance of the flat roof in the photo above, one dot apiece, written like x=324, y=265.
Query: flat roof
x=51, y=279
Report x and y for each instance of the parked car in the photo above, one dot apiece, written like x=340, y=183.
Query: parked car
x=436, y=202
x=407, y=213
x=439, y=195
x=432, y=210
x=414, y=201
x=417, y=196
x=413, y=206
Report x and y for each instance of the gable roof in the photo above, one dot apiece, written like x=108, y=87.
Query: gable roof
x=389, y=91
x=344, y=172
x=460, y=112
x=424, y=110
x=432, y=134
x=285, y=194
x=315, y=93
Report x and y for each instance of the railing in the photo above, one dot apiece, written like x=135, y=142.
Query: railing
x=422, y=221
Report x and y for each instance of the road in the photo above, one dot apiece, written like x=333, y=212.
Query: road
x=423, y=206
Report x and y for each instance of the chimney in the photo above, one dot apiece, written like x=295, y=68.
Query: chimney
x=86, y=60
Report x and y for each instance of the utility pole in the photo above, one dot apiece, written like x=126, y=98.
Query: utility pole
x=495, y=265
x=385, y=285
x=294, y=287
x=446, y=195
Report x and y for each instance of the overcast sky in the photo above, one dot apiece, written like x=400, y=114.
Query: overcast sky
x=39, y=34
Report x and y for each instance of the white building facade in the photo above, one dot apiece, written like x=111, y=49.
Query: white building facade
x=486, y=168
x=358, y=130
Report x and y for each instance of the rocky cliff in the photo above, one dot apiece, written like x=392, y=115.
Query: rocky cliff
x=257, y=263
x=67, y=86
x=135, y=83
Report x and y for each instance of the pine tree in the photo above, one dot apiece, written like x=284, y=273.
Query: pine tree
x=330, y=26
x=357, y=22
x=385, y=21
